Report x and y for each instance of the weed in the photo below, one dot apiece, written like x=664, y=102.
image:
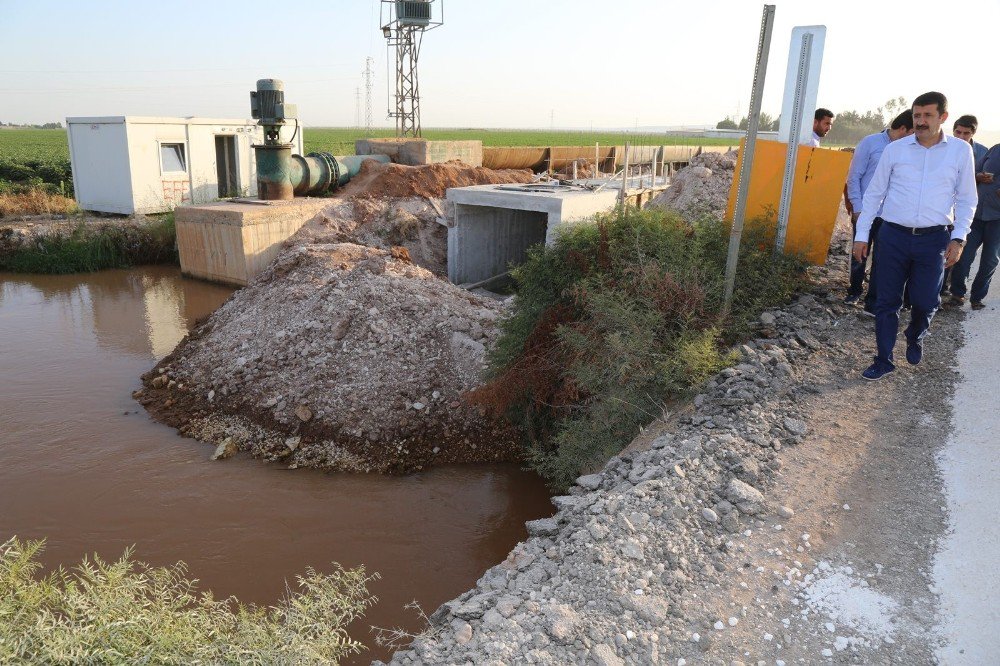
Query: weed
x=94, y=247
x=615, y=318
x=127, y=612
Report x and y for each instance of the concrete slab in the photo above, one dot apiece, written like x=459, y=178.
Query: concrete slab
x=417, y=152
x=491, y=227
x=231, y=242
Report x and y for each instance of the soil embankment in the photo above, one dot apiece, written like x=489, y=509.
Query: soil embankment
x=347, y=353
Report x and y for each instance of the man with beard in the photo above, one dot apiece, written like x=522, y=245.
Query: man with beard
x=919, y=181
x=822, y=124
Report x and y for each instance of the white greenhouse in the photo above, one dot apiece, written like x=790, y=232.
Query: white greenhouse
x=132, y=164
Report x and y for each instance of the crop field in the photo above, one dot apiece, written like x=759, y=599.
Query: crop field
x=35, y=158
x=39, y=158
x=340, y=141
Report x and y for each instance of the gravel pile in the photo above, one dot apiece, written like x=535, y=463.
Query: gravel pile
x=701, y=188
x=349, y=352
x=339, y=356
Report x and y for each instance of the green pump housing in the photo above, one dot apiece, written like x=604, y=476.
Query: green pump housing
x=282, y=175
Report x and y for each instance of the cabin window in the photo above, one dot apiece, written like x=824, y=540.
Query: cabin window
x=172, y=157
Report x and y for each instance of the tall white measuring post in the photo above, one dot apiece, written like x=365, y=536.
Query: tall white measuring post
x=805, y=56
x=756, y=94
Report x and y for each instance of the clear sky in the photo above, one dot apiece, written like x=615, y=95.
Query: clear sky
x=510, y=63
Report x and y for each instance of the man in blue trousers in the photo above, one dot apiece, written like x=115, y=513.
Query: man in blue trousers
x=985, y=232
x=863, y=164
x=920, y=180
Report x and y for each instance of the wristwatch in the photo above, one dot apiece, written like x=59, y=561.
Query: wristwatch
x=961, y=243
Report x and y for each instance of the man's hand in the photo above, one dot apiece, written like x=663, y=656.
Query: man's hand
x=951, y=255
x=984, y=177
x=861, y=250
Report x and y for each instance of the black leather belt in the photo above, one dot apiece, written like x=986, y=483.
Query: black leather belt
x=918, y=231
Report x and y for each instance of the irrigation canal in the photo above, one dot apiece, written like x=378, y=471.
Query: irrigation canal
x=84, y=467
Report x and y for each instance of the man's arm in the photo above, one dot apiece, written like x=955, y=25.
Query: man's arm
x=854, y=174
x=966, y=197
x=875, y=194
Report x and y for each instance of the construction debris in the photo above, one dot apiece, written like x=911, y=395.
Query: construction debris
x=701, y=188
x=349, y=344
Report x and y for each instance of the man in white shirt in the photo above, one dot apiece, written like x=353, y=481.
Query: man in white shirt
x=919, y=182
x=822, y=124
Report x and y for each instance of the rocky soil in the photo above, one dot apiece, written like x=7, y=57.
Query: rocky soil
x=785, y=516
x=701, y=188
x=349, y=352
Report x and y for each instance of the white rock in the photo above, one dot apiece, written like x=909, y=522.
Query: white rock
x=827, y=652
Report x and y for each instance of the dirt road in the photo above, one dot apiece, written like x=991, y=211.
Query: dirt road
x=891, y=556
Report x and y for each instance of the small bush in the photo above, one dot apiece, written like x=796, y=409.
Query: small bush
x=95, y=247
x=127, y=612
x=615, y=318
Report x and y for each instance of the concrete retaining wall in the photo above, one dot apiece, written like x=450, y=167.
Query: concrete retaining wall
x=232, y=242
x=417, y=152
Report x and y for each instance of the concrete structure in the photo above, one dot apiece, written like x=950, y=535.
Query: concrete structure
x=131, y=164
x=417, y=152
x=231, y=242
x=491, y=227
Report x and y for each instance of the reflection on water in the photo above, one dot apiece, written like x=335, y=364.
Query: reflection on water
x=145, y=313
x=84, y=467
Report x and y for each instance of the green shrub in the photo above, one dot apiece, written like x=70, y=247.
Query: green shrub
x=615, y=318
x=95, y=247
x=127, y=612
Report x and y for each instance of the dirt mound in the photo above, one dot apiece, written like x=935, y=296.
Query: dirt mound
x=701, y=188
x=382, y=223
x=338, y=356
x=430, y=181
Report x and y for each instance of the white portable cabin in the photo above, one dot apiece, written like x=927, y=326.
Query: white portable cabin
x=132, y=164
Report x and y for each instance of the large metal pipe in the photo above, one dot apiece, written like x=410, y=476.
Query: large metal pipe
x=281, y=175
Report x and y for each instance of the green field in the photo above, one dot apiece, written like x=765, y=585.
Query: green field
x=31, y=158
x=34, y=158
x=340, y=141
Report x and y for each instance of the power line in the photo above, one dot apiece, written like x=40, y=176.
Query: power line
x=369, y=80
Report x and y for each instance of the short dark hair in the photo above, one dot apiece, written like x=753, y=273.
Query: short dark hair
x=823, y=113
x=932, y=98
x=967, y=121
x=905, y=119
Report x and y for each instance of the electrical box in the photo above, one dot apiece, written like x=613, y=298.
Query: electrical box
x=413, y=12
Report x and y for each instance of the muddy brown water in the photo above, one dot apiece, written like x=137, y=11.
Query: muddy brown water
x=84, y=467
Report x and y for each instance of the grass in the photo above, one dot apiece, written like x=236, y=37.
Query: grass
x=127, y=612
x=340, y=141
x=35, y=201
x=91, y=247
x=613, y=320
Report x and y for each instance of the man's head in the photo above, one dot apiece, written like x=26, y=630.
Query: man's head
x=965, y=127
x=930, y=110
x=822, y=122
x=901, y=125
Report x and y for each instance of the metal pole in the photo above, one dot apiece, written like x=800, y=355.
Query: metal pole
x=746, y=163
x=795, y=128
x=621, y=196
